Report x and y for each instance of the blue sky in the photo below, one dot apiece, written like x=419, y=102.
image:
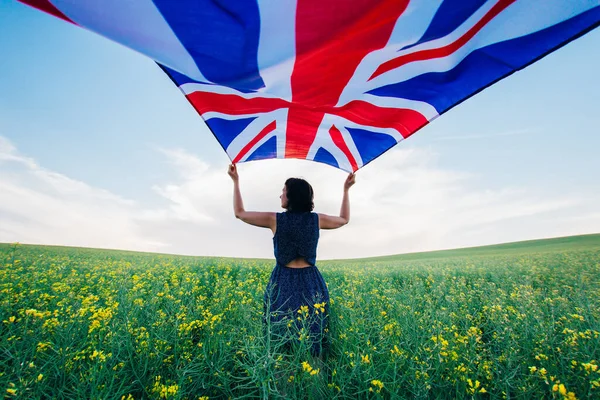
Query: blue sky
x=98, y=148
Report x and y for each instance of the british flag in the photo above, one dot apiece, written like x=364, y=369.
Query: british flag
x=334, y=81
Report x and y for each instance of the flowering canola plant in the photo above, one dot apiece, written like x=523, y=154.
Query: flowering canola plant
x=98, y=324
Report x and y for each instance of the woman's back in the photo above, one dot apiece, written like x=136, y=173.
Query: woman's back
x=296, y=237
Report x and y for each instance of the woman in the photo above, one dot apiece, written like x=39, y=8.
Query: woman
x=296, y=290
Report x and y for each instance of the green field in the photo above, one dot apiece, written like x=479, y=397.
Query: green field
x=518, y=320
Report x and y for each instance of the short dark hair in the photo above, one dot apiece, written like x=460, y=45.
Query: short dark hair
x=299, y=195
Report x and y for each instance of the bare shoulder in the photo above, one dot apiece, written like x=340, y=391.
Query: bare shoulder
x=331, y=221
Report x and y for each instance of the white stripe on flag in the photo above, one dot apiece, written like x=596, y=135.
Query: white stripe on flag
x=277, y=46
x=136, y=24
x=409, y=28
x=229, y=117
x=252, y=130
x=323, y=140
x=339, y=121
x=351, y=145
x=188, y=88
x=517, y=20
x=425, y=109
x=413, y=23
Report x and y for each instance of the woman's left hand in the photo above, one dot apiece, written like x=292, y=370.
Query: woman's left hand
x=232, y=171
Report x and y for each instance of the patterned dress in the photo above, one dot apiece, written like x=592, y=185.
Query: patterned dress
x=297, y=299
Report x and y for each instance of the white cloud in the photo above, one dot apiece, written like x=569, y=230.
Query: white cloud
x=41, y=206
x=402, y=202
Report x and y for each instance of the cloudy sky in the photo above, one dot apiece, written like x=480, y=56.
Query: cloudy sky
x=99, y=149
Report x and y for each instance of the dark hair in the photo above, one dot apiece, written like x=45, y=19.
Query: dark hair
x=299, y=195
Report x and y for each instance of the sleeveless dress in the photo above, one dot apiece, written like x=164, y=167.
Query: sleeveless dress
x=289, y=289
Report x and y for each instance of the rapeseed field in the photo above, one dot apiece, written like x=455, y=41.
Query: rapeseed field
x=520, y=321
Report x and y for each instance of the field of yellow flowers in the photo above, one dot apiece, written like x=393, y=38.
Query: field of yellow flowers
x=514, y=322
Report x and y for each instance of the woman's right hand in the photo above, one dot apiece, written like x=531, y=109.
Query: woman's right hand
x=350, y=180
x=232, y=171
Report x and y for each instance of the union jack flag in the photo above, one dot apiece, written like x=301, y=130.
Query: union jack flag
x=334, y=81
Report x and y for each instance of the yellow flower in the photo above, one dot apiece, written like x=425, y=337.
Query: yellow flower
x=473, y=386
x=41, y=346
x=378, y=384
x=306, y=366
x=172, y=389
x=303, y=311
x=40, y=377
x=12, y=392
x=578, y=317
x=461, y=368
x=320, y=307
x=590, y=367
x=34, y=313
x=562, y=389
x=365, y=359
x=532, y=369
x=476, y=385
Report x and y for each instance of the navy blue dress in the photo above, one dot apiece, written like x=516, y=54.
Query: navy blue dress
x=289, y=289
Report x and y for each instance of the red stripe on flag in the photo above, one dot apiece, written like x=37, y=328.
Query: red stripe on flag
x=267, y=129
x=338, y=139
x=232, y=104
x=446, y=50
x=302, y=125
x=48, y=7
x=367, y=114
x=332, y=38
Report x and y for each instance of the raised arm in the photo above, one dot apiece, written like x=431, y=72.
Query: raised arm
x=262, y=219
x=333, y=222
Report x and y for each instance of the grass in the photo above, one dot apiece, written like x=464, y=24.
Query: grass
x=560, y=244
x=517, y=320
